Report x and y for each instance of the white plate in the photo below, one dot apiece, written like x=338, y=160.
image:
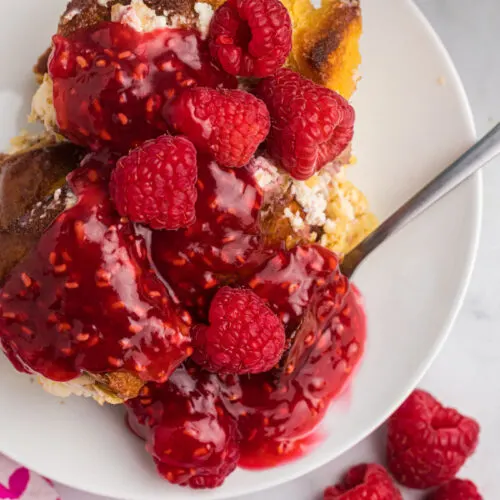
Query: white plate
x=413, y=118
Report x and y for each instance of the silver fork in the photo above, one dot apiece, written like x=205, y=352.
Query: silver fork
x=461, y=169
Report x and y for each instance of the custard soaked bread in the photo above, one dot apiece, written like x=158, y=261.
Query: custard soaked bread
x=33, y=192
x=324, y=209
x=214, y=157
x=325, y=40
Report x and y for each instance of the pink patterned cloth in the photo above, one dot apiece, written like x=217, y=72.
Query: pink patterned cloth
x=18, y=483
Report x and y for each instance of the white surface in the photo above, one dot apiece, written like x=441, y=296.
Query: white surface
x=311, y=485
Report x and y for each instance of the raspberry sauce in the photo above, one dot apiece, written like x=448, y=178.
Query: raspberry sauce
x=224, y=244
x=276, y=416
x=111, y=82
x=87, y=298
x=277, y=411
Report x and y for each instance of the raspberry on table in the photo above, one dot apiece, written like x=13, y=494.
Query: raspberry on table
x=251, y=37
x=244, y=335
x=456, y=489
x=192, y=438
x=364, y=481
x=227, y=124
x=310, y=125
x=427, y=444
x=155, y=183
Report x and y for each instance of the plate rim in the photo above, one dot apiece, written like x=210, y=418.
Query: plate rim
x=472, y=251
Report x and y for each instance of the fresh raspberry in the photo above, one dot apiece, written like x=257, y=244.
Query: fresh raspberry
x=456, y=489
x=364, y=481
x=251, y=37
x=192, y=439
x=244, y=335
x=87, y=298
x=155, y=183
x=112, y=82
x=427, y=444
x=310, y=125
x=228, y=124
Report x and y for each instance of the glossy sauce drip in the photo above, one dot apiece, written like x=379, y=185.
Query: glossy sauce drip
x=223, y=245
x=87, y=299
x=275, y=417
x=276, y=412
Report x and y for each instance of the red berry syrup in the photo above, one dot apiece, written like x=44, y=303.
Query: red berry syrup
x=111, y=82
x=87, y=299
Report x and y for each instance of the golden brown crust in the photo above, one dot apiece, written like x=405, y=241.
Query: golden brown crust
x=28, y=177
x=82, y=14
x=329, y=38
x=85, y=13
x=183, y=8
x=326, y=42
x=123, y=384
x=41, y=66
x=276, y=226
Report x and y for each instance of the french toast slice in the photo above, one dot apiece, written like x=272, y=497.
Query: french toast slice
x=80, y=14
x=33, y=192
x=326, y=50
x=326, y=42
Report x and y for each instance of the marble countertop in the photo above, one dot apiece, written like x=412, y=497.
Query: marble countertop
x=471, y=358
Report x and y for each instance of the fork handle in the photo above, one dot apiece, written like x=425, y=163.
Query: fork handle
x=461, y=169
